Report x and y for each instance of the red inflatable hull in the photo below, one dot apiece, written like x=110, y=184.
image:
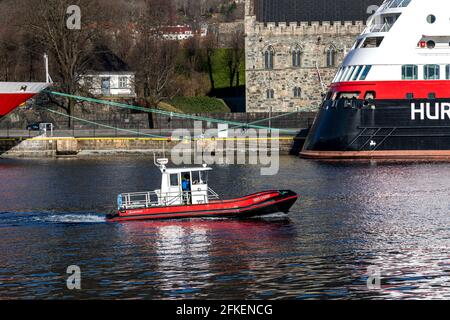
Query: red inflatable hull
x=258, y=204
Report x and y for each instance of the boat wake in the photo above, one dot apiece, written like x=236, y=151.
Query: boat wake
x=72, y=218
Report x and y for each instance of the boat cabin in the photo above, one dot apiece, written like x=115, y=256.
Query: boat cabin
x=179, y=186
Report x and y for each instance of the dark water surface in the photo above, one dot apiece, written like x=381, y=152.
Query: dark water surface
x=350, y=217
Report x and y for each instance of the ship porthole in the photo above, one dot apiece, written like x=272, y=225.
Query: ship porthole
x=431, y=19
x=431, y=44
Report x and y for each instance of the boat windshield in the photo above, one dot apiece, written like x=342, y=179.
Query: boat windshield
x=199, y=177
x=204, y=177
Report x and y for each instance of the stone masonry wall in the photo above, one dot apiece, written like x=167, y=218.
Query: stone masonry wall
x=314, y=40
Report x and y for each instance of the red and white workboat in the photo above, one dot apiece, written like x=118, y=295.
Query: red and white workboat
x=391, y=96
x=185, y=194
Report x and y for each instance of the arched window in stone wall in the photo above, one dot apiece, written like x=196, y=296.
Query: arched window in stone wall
x=297, y=92
x=297, y=55
x=269, y=57
x=331, y=56
x=270, y=94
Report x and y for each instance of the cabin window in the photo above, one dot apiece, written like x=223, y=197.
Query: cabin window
x=372, y=42
x=432, y=72
x=357, y=73
x=410, y=96
x=432, y=95
x=357, y=43
x=204, y=177
x=343, y=74
x=431, y=19
x=350, y=73
x=365, y=72
x=269, y=58
x=174, y=181
x=297, y=92
x=196, y=177
x=409, y=72
x=447, y=72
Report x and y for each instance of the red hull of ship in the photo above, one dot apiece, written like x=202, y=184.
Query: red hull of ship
x=258, y=204
x=10, y=101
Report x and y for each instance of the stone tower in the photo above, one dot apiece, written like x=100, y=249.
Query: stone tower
x=290, y=64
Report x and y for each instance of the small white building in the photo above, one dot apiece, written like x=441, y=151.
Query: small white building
x=109, y=76
x=177, y=33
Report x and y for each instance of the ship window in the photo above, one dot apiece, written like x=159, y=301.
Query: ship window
x=431, y=19
x=365, y=72
x=357, y=43
x=447, y=72
x=344, y=73
x=349, y=75
x=370, y=95
x=432, y=72
x=338, y=75
x=410, y=96
x=348, y=95
x=372, y=42
x=432, y=95
x=357, y=72
x=204, y=177
x=174, y=182
x=196, y=177
x=431, y=44
x=409, y=72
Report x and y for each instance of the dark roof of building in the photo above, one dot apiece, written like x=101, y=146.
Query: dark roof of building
x=313, y=10
x=104, y=60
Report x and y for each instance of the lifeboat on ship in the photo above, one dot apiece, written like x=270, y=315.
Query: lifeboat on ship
x=185, y=194
x=390, y=99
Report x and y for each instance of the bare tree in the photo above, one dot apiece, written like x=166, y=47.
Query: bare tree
x=154, y=59
x=70, y=49
x=235, y=55
x=210, y=46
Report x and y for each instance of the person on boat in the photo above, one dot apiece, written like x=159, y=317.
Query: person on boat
x=186, y=187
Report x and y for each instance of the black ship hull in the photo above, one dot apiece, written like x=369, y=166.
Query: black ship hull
x=386, y=129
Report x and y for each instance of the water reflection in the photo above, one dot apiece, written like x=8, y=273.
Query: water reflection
x=349, y=217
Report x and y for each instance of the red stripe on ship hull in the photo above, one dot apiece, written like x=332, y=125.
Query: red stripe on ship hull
x=10, y=101
x=396, y=90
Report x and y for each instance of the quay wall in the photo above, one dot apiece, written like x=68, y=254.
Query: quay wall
x=20, y=118
x=41, y=147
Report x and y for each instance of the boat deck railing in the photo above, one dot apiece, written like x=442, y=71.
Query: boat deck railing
x=143, y=200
